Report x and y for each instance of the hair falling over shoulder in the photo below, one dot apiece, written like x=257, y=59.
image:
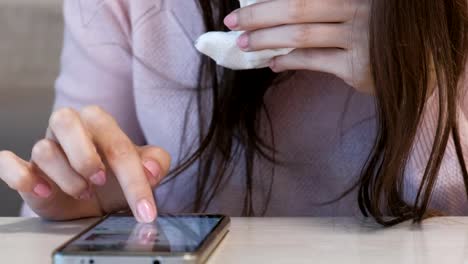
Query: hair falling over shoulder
x=412, y=44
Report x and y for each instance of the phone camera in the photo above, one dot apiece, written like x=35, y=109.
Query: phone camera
x=91, y=261
x=156, y=262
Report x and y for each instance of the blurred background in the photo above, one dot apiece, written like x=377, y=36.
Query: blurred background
x=30, y=43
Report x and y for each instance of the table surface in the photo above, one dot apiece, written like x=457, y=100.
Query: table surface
x=277, y=240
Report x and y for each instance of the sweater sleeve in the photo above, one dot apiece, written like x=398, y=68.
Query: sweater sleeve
x=96, y=63
x=136, y=60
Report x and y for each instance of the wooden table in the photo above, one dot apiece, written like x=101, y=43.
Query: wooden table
x=277, y=240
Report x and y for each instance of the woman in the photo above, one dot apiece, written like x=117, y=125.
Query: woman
x=133, y=93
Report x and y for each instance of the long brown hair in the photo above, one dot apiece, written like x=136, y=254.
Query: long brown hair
x=411, y=42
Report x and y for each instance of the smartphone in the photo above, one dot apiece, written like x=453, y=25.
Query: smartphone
x=119, y=239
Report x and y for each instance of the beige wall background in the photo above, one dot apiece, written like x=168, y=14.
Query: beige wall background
x=30, y=43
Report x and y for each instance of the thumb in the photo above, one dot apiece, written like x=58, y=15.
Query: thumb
x=156, y=162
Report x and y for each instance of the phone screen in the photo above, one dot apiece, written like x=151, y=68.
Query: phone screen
x=171, y=234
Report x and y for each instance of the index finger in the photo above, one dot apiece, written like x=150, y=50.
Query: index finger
x=124, y=161
x=281, y=12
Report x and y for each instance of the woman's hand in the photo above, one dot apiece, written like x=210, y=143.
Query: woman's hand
x=329, y=36
x=86, y=167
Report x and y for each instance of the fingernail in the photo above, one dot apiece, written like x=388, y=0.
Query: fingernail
x=86, y=195
x=243, y=41
x=153, y=167
x=98, y=178
x=145, y=211
x=231, y=20
x=147, y=234
x=42, y=190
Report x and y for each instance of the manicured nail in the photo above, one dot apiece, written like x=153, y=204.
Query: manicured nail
x=147, y=233
x=145, y=211
x=42, y=190
x=86, y=195
x=243, y=42
x=99, y=178
x=231, y=20
x=153, y=167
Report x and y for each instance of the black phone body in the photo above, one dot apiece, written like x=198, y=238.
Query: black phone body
x=118, y=238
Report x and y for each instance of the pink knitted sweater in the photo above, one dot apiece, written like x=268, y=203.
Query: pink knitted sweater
x=136, y=59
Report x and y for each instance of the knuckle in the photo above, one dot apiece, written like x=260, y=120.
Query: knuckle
x=161, y=151
x=76, y=189
x=301, y=35
x=95, y=114
x=246, y=17
x=297, y=9
x=6, y=155
x=87, y=164
x=44, y=150
x=92, y=112
x=255, y=39
x=137, y=188
x=62, y=119
x=21, y=180
x=165, y=158
x=118, y=149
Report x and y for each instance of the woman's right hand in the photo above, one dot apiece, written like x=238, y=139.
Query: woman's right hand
x=86, y=166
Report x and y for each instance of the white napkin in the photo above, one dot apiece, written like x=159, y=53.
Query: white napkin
x=222, y=47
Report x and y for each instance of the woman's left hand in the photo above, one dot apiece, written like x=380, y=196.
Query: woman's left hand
x=328, y=36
